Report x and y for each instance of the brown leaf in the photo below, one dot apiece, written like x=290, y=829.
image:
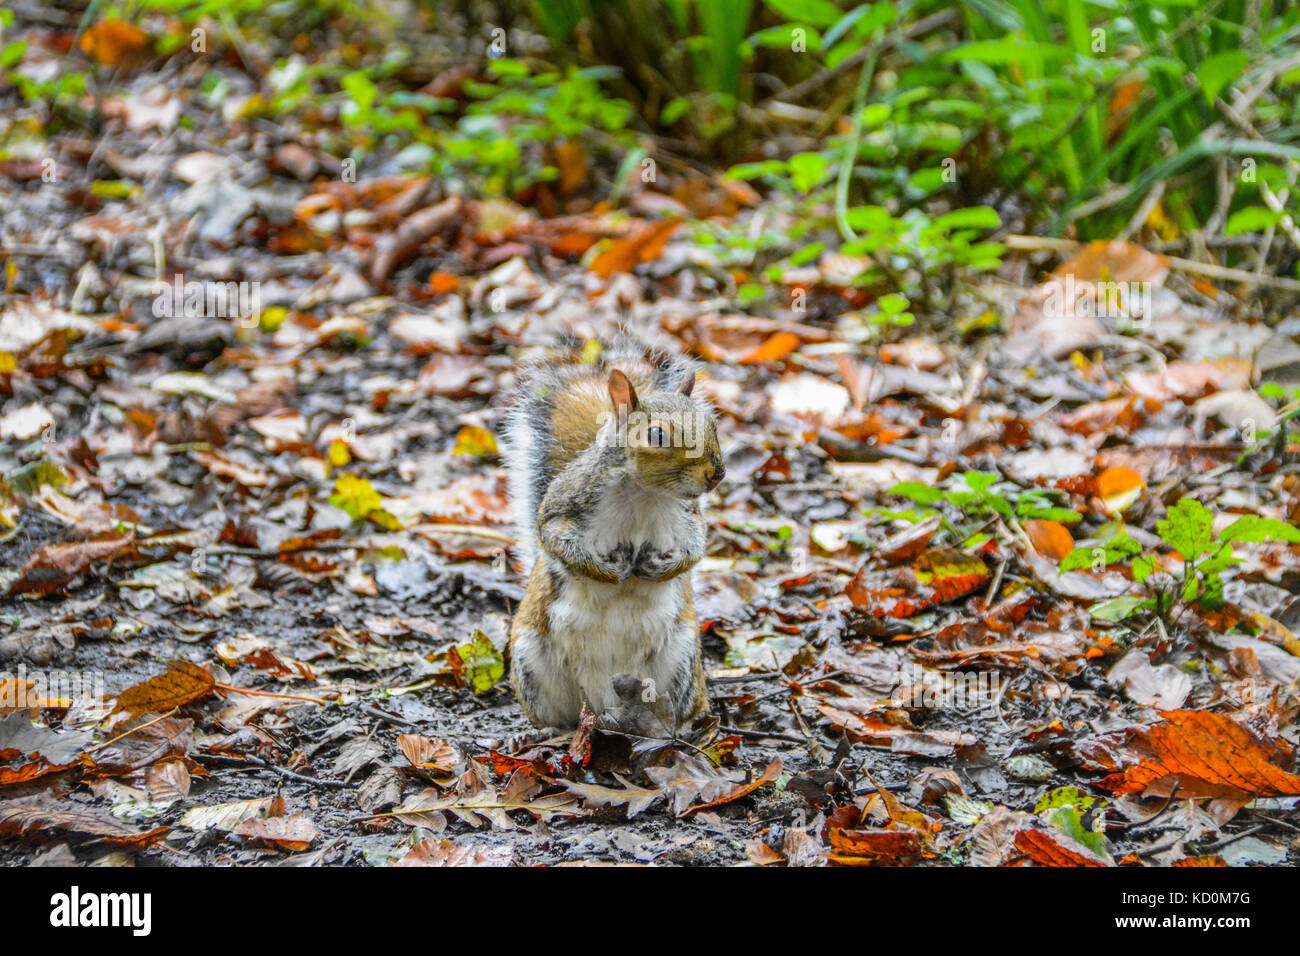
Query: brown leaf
x=426, y=754
x=38, y=823
x=631, y=796
x=183, y=683
x=866, y=846
x=116, y=43
x=644, y=245
x=293, y=833
x=414, y=232
x=152, y=741
x=693, y=778
x=54, y=565
x=571, y=161
x=447, y=853
x=1051, y=539
x=1052, y=848
x=875, y=730
x=1208, y=754
x=769, y=775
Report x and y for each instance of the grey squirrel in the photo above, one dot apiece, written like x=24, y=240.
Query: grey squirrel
x=607, y=459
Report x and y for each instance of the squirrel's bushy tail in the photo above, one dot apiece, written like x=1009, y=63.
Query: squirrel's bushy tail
x=532, y=448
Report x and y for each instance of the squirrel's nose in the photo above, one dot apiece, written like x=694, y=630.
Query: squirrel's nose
x=716, y=476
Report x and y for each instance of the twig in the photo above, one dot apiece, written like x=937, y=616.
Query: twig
x=287, y=774
x=266, y=693
x=763, y=735
x=389, y=718
x=147, y=723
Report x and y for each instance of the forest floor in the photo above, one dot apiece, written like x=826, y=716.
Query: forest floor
x=277, y=549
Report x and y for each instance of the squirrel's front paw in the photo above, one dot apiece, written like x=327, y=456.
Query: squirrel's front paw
x=651, y=563
x=620, y=561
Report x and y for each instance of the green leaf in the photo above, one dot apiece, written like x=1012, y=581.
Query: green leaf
x=1254, y=528
x=1115, y=550
x=975, y=217
x=918, y=492
x=1001, y=52
x=869, y=218
x=1251, y=219
x=482, y=664
x=1064, y=797
x=1219, y=70
x=1063, y=515
x=1116, y=608
x=819, y=13
x=1076, y=559
x=892, y=304
x=674, y=110
x=979, y=481
x=1188, y=528
x=28, y=479
x=1069, y=820
x=807, y=170
x=360, y=88
x=807, y=254
x=747, y=171
x=12, y=54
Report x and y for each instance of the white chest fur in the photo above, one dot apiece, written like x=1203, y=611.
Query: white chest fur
x=601, y=630
x=637, y=515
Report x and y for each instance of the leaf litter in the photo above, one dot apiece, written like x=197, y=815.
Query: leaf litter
x=969, y=600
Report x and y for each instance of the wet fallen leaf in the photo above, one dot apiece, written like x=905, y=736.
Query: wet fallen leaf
x=182, y=684
x=644, y=245
x=1208, y=754
x=292, y=833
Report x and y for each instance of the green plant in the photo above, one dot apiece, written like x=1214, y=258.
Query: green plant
x=1188, y=529
x=1098, y=107
x=978, y=496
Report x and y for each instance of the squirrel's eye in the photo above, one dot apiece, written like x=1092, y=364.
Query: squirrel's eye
x=656, y=437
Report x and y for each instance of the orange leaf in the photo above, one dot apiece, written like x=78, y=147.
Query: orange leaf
x=1114, y=261
x=182, y=684
x=774, y=349
x=1051, y=539
x=1117, y=480
x=769, y=775
x=859, y=847
x=1208, y=754
x=1051, y=849
x=441, y=282
x=116, y=43
x=644, y=245
x=571, y=161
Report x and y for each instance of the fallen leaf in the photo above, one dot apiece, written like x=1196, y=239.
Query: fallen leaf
x=292, y=833
x=1208, y=754
x=182, y=684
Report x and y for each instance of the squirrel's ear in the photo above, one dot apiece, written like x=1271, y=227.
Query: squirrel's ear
x=621, y=393
x=688, y=384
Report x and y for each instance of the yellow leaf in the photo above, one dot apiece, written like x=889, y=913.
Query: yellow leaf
x=475, y=442
x=355, y=496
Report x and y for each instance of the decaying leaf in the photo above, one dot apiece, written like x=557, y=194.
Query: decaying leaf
x=182, y=684
x=1208, y=754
